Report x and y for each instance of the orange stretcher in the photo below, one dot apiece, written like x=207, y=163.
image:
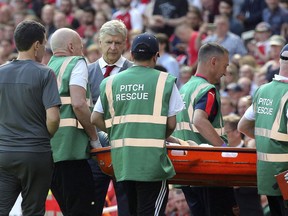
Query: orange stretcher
x=209, y=166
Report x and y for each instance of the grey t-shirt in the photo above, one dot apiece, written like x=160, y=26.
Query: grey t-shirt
x=27, y=89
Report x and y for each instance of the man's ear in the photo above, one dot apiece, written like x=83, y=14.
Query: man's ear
x=156, y=56
x=36, y=45
x=132, y=56
x=213, y=60
x=70, y=47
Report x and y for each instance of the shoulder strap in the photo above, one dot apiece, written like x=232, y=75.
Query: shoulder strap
x=62, y=70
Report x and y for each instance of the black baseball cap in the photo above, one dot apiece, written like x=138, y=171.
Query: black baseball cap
x=284, y=53
x=145, y=43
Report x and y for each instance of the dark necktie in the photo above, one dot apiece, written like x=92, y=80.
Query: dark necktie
x=109, y=68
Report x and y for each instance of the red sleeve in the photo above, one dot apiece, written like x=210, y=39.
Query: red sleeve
x=210, y=101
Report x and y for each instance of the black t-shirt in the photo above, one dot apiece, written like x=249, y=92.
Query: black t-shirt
x=27, y=90
x=170, y=9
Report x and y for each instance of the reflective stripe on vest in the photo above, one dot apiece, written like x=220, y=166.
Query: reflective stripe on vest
x=273, y=133
x=272, y=157
x=62, y=70
x=155, y=118
x=159, y=94
x=136, y=118
x=67, y=100
x=186, y=126
x=189, y=125
x=108, y=90
x=70, y=122
x=138, y=143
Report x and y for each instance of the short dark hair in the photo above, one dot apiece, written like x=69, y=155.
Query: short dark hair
x=143, y=56
x=89, y=9
x=229, y=2
x=28, y=32
x=209, y=50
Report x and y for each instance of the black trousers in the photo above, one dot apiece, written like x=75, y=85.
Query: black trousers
x=249, y=201
x=147, y=198
x=26, y=173
x=277, y=207
x=210, y=201
x=72, y=187
x=101, y=184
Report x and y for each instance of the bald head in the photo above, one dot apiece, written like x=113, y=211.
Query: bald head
x=66, y=42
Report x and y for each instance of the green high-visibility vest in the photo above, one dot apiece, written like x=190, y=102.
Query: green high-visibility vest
x=136, y=104
x=191, y=93
x=70, y=142
x=270, y=107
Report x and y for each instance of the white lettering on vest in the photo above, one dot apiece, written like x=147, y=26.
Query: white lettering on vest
x=132, y=92
x=265, y=110
x=265, y=101
x=265, y=106
x=132, y=87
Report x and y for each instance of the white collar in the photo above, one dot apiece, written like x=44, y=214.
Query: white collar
x=279, y=77
x=119, y=63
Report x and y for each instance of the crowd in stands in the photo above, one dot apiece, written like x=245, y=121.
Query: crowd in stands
x=253, y=31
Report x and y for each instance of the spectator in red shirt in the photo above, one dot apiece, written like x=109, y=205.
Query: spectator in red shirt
x=188, y=36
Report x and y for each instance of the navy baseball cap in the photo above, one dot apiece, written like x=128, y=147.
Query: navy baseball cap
x=145, y=43
x=284, y=53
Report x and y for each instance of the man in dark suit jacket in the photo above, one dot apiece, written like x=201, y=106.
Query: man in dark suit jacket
x=112, y=39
